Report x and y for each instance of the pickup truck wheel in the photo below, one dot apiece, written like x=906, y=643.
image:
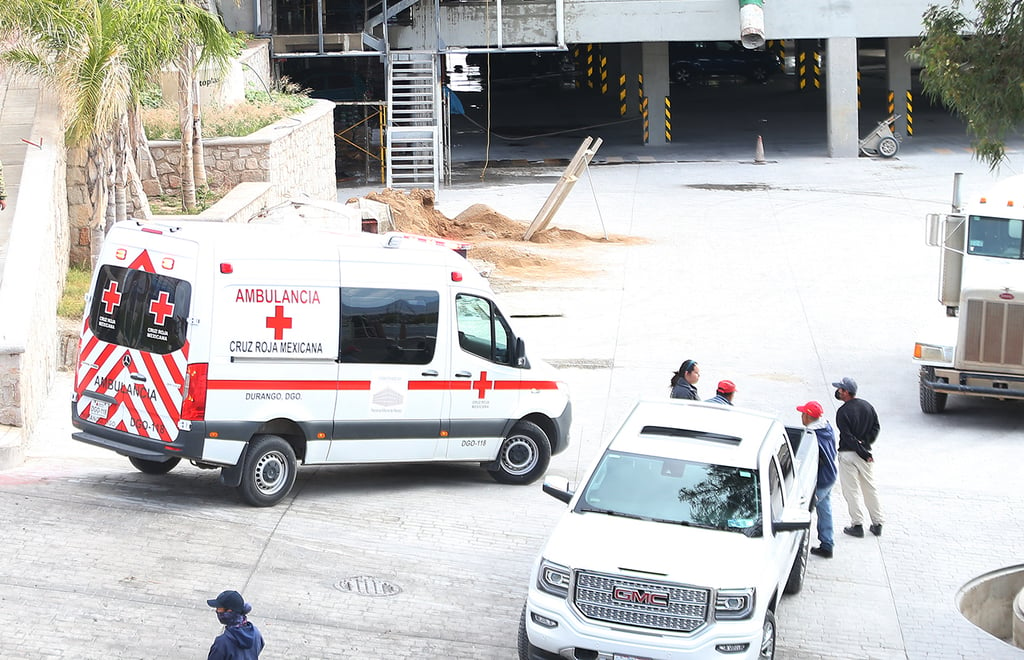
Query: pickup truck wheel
x=767, y=651
x=153, y=467
x=524, y=455
x=796, y=575
x=524, y=639
x=932, y=402
x=268, y=472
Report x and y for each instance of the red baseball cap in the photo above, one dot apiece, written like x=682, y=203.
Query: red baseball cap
x=726, y=386
x=812, y=408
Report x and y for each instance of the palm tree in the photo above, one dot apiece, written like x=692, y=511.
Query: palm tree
x=99, y=55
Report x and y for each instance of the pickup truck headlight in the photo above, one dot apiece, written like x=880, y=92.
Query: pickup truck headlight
x=553, y=579
x=734, y=603
x=933, y=352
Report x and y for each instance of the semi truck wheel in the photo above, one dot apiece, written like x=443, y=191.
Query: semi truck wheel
x=153, y=467
x=767, y=651
x=269, y=471
x=524, y=455
x=932, y=402
x=796, y=575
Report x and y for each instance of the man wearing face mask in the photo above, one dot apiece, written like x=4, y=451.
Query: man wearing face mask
x=240, y=640
x=858, y=428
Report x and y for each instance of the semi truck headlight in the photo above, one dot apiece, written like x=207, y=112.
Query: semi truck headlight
x=734, y=603
x=933, y=352
x=553, y=579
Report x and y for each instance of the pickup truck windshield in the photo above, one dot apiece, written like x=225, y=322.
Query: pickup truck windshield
x=674, y=491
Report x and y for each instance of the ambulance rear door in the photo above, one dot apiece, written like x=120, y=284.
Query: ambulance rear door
x=392, y=390
x=135, y=339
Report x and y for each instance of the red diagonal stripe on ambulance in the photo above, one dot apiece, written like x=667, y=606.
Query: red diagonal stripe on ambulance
x=99, y=361
x=156, y=380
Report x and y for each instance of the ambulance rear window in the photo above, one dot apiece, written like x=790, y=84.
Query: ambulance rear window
x=388, y=326
x=140, y=310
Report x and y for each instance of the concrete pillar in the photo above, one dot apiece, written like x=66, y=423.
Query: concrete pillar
x=841, y=96
x=630, y=65
x=897, y=78
x=656, y=88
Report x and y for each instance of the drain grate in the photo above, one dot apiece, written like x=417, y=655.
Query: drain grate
x=365, y=585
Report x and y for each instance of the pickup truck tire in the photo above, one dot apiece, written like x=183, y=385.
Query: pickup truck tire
x=767, y=650
x=796, y=575
x=932, y=402
x=524, y=639
x=153, y=467
x=268, y=472
x=523, y=457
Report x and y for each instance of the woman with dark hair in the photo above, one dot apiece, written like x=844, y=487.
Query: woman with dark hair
x=684, y=381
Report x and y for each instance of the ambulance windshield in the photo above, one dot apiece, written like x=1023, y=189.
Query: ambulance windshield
x=140, y=310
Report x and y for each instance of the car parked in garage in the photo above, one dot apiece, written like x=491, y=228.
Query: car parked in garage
x=693, y=61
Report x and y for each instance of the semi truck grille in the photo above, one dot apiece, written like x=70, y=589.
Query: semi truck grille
x=642, y=603
x=994, y=332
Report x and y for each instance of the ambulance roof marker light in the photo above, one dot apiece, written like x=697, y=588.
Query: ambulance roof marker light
x=456, y=276
x=121, y=254
x=226, y=269
x=167, y=263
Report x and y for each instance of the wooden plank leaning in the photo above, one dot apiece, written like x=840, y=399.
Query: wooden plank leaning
x=579, y=162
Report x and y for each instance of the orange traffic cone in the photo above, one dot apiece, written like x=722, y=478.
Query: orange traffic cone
x=759, y=152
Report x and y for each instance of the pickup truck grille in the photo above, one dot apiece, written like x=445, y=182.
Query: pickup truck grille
x=994, y=332
x=642, y=603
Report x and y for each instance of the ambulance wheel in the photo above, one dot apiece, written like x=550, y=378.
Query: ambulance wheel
x=269, y=471
x=524, y=455
x=153, y=467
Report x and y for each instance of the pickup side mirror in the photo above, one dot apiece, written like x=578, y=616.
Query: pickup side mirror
x=792, y=521
x=558, y=488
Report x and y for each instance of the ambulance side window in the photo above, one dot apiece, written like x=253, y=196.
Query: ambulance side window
x=140, y=310
x=482, y=329
x=388, y=326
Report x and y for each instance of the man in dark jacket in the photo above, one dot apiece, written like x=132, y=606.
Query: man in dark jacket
x=811, y=414
x=240, y=640
x=858, y=429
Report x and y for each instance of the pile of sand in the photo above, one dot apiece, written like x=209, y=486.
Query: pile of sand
x=497, y=240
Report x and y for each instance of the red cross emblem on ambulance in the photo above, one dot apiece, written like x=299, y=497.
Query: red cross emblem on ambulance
x=111, y=297
x=161, y=308
x=279, y=322
x=482, y=385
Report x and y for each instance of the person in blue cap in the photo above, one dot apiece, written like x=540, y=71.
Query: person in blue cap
x=240, y=640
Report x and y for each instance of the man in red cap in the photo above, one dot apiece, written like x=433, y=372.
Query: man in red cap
x=724, y=393
x=811, y=414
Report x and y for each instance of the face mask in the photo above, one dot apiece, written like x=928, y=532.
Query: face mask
x=837, y=396
x=229, y=618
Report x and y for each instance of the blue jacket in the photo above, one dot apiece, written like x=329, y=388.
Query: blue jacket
x=242, y=642
x=683, y=390
x=826, y=452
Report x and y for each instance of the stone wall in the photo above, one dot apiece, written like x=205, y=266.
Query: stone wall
x=34, y=274
x=295, y=154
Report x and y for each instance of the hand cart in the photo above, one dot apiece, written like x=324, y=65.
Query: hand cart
x=881, y=141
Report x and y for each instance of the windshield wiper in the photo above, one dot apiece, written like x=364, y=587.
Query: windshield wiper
x=594, y=509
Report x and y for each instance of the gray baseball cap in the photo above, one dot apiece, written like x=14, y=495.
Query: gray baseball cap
x=848, y=384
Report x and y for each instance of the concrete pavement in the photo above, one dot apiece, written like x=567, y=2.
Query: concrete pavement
x=781, y=277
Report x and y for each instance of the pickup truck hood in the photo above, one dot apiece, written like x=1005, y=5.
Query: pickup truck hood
x=674, y=553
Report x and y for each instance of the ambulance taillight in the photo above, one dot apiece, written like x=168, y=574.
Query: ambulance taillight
x=193, y=407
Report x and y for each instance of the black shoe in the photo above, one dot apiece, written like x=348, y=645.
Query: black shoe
x=875, y=529
x=857, y=530
x=822, y=551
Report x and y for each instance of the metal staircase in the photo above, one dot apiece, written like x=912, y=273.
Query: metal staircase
x=413, y=157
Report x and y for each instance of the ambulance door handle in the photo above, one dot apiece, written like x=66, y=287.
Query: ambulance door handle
x=463, y=374
x=139, y=377
x=431, y=372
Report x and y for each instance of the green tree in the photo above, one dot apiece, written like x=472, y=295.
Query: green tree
x=974, y=65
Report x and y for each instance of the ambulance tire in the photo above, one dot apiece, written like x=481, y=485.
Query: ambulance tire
x=153, y=467
x=269, y=471
x=523, y=457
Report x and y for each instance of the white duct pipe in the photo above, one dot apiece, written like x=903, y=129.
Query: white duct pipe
x=752, y=23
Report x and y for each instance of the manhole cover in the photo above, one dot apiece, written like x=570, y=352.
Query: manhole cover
x=369, y=586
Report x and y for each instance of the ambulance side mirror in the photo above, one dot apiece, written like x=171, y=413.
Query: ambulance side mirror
x=519, y=358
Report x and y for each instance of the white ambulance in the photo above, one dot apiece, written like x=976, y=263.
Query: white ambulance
x=252, y=348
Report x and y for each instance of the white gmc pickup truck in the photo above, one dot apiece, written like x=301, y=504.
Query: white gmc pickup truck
x=686, y=532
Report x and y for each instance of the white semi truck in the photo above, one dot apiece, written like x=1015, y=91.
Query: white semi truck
x=978, y=348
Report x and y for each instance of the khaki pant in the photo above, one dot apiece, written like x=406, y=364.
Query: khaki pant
x=857, y=479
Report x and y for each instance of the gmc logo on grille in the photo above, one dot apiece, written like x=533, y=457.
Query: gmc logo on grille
x=640, y=596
